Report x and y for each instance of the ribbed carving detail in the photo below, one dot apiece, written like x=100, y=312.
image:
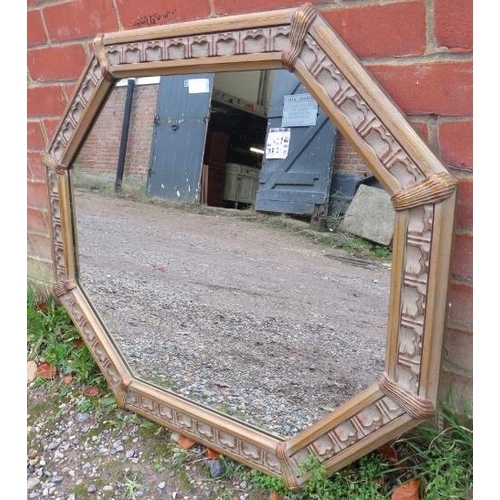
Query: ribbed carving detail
x=63, y=287
x=415, y=406
x=436, y=188
x=50, y=162
x=286, y=469
x=121, y=391
x=102, y=57
x=299, y=26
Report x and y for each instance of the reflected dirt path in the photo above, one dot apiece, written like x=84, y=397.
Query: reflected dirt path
x=255, y=322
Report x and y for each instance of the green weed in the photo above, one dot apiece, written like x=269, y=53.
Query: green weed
x=53, y=338
x=440, y=459
x=132, y=487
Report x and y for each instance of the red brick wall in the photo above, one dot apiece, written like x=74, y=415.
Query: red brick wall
x=419, y=50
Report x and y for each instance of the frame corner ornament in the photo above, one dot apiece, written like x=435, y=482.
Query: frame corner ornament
x=415, y=406
x=299, y=27
x=434, y=189
x=102, y=56
x=50, y=162
x=63, y=287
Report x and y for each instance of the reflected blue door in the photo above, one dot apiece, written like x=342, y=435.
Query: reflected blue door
x=178, y=144
x=300, y=183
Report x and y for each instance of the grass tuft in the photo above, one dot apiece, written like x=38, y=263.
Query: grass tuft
x=440, y=459
x=53, y=338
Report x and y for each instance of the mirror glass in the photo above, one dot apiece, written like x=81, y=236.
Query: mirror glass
x=194, y=199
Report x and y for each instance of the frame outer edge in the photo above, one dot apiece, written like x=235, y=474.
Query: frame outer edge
x=443, y=233
x=220, y=423
x=390, y=431
x=183, y=405
x=66, y=217
x=401, y=220
x=76, y=298
x=327, y=423
x=101, y=91
x=211, y=25
x=390, y=183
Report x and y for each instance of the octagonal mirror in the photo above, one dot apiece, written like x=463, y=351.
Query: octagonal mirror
x=177, y=364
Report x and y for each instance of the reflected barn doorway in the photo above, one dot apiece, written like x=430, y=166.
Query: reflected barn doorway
x=235, y=139
x=202, y=138
x=215, y=142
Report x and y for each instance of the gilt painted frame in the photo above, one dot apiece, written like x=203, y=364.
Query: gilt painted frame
x=422, y=193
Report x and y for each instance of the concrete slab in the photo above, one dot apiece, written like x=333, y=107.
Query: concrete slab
x=370, y=215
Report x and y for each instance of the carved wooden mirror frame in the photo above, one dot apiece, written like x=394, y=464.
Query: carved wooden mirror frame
x=421, y=189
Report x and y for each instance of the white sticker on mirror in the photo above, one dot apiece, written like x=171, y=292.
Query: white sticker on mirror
x=198, y=85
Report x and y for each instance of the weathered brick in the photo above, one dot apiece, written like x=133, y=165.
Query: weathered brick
x=464, y=213
x=455, y=142
x=35, y=29
x=224, y=7
x=456, y=389
x=80, y=19
x=460, y=305
x=387, y=30
x=40, y=271
x=461, y=261
x=50, y=127
x=35, y=136
x=37, y=195
x=453, y=24
x=424, y=88
x=37, y=221
x=39, y=245
x=36, y=170
x=56, y=63
x=155, y=12
x=458, y=346
x=49, y=100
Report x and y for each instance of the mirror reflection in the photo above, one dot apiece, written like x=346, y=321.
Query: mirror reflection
x=202, y=203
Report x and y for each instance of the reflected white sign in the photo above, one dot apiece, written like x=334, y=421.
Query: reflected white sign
x=299, y=110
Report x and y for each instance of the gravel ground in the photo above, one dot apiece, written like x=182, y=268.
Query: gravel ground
x=75, y=453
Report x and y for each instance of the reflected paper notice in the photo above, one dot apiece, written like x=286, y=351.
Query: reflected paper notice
x=278, y=143
x=299, y=110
